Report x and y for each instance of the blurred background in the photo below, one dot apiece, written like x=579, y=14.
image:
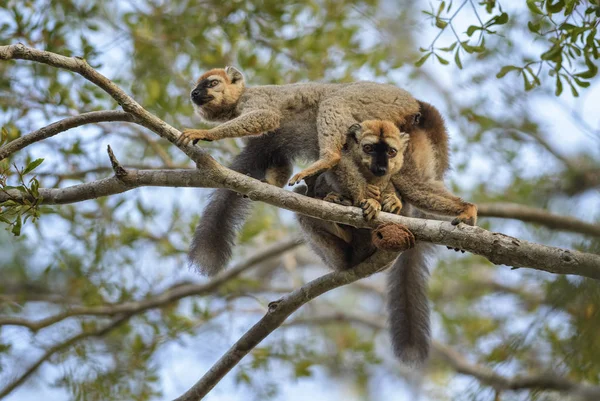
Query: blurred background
x=517, y=84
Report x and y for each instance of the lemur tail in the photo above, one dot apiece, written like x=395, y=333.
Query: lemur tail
x=226, y=211
x=215, y=235
x=408, y=306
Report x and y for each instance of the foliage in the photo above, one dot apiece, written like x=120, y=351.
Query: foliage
x=132, y=246
x=567, y=30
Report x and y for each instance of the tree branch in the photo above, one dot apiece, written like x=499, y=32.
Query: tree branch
x=81, y=67
x=538, y=216
x=61, y=126
x=277, y=313
x=169, y=296
x=496, y=247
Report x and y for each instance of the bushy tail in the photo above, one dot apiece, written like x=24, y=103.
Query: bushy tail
x=408, y=305
x=215, y=234
x=226, y=211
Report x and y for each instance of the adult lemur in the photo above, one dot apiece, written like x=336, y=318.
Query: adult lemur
x=296, y=117
x=299, y=119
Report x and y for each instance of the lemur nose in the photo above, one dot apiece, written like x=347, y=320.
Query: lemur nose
x=195, y=93
x=381, y=170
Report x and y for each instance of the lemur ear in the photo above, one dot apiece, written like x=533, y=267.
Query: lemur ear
x=417, y=119
x=234, y=74
x=353, y=130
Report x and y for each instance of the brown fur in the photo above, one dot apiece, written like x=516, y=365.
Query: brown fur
x=352, y=177
x=392, y=237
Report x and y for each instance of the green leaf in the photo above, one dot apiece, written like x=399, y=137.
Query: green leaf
x=471, y=30
x=556, y=7
x=422, y=60
x=591, y=72
x=16, y=230
x=501, y=19
x=3, y=136
x=449, y=48
x=31, y=166
x=534, y=8
x=441, y=60
x=457, y=60
x=558, y=85
x=440, y=23
x=554, y=54
x=534, y=27
x=506, y=69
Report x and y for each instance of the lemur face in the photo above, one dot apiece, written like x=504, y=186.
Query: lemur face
x=378, y=146
x=217, y=88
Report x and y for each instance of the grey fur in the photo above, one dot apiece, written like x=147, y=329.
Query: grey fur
x=226, y=211
x=408, y=305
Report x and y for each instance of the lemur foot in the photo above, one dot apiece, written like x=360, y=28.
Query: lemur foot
x=468, y=216
x=392, y=237
x=371, y=208
x=391, y=203
x=374, y=192
x=334, y=197
x=194, y=135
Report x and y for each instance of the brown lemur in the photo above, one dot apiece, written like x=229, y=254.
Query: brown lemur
x=292, y=114
x=374, y=152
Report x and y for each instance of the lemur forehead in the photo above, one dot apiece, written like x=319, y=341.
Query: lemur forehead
x=381, y=129
x=214, y=73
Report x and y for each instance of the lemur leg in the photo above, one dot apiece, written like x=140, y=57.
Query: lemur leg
x=333, y=120
x=432, y=196
x=278, y=175
x=333, y=250
x=251, y=123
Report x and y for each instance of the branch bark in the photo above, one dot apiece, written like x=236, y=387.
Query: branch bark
x=277, y=313
x=496, y=247
x=538, y=216
x=129, y=105
x=62, y=126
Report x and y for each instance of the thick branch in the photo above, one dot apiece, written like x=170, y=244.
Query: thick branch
x=159, y=300
x=61, y=126
x=538, y=216
x=81, y=67
x=277, y=313
x=496, y=247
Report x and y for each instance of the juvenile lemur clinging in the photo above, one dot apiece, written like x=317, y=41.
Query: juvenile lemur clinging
x=302, y=121
x=374, y=152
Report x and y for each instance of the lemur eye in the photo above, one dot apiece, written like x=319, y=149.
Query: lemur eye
x=367, y=148
x=213, y=83
x=392, y=152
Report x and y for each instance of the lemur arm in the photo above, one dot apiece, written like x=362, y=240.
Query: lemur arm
x=253, y=122
x=432, y=196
